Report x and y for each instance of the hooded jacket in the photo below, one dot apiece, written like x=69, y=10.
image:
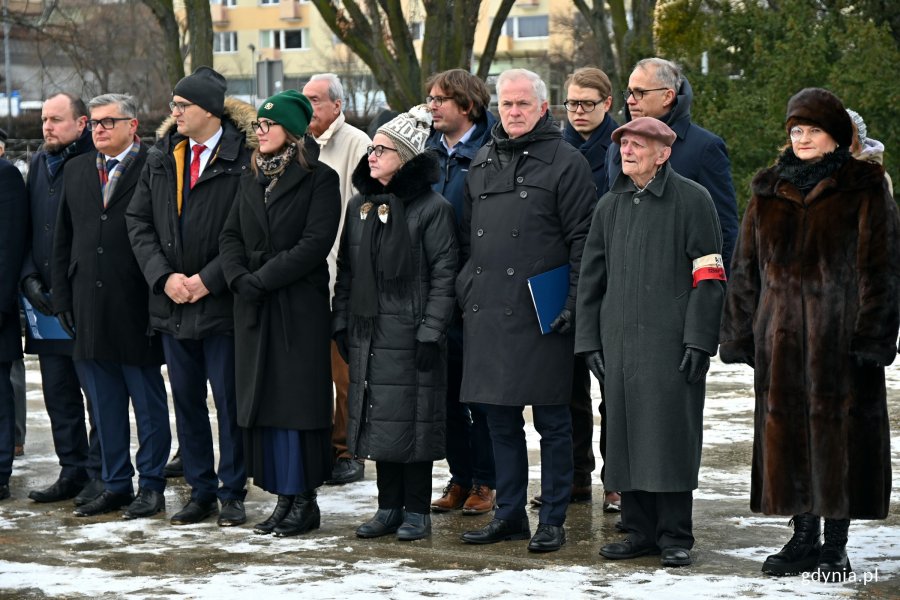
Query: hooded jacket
x=165, y=242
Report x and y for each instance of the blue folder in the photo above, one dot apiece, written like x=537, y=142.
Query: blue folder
x=549, y=291
x=42, y=327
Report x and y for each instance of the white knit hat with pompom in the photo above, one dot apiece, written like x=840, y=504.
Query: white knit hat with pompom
x=409, y=131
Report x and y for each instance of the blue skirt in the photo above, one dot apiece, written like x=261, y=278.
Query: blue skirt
x=288, y=461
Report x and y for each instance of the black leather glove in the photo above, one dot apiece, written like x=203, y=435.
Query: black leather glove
x=696, y=363
x=34, y=290
x=340, y=340
x=594, y=362
x=563, y=322
x=250, y=288
x=67, y=322
x=427, y=355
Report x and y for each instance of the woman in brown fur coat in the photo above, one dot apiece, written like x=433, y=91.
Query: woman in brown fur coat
x=812, y=304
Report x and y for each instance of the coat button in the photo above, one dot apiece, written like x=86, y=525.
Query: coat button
x=515, y=233
x=508, y=312
x=46, y=226
x=46, y=263
x=100, y=250
x=474, y=308
x=478, y=270
x=99, y=284
x=483, y=196
x=520, y=179
x=510, y=271
x=480, y=232
x=168, y=244
x=523, y=194
x=636, y=200
x=104, y=217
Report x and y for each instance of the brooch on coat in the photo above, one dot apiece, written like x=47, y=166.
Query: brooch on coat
x=383, y=211
x=364, y=210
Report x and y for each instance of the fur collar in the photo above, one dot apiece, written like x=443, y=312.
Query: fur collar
x=853, y=175
x=414, y=178
x=240, y=113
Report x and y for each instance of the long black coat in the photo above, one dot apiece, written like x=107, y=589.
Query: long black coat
x=396, y=412
x=522, y=220
x=166, y=243
x=44, y=191
x=814, y=286
x=282, y=346
x=637, y=303
x=95, y=274
x=13, y=217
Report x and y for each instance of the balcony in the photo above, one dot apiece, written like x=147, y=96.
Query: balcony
x=219, y=14
x=290, y=10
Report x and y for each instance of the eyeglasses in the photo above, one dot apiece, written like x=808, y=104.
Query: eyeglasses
x=586, y=105
x=179, y=107
x=379, y=150
x=263, y=126
x=107, y=123
x=798, y=133
x=639, y=94
x=436, y=100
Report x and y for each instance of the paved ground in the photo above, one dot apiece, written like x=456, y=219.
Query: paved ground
x=46, y=552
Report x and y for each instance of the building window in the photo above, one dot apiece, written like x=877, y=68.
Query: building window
x=229, y=3
x=527, y=27
x=416, y=30
x=267, y=2
x=284, y=39
x=225, y=41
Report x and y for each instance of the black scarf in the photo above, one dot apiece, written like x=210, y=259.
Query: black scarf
x=806, y=174
x=385, y=259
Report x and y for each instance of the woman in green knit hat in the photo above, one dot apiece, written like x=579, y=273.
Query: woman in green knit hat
x=273, y=251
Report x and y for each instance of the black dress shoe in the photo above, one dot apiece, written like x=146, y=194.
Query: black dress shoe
x=174, y=468
x=89, y=492
x=547, y=538
x=232, y=513
x=673, y=556
x=61, y=489
x=194, y=512
x=498, y=530
x=4, y=492
x=282, y=507
x=303, y=516
x=415, y=527
x=346, y=470
x=385, y=521
x=620, y=526
x=106, y=502
x=146, y=504
x=626, y=549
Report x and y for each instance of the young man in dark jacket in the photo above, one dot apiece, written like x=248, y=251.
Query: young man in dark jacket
x=183, y=198
x=461, y=124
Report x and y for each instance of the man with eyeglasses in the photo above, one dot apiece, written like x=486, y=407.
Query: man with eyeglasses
x=66, y=136
x=656, y=88
x=179, y=209
x=341, y=146
x=461, y=125
x=101, y=301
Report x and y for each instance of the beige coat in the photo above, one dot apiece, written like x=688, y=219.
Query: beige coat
x=340, y=147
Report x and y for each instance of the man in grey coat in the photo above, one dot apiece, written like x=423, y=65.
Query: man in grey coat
x=649, y=302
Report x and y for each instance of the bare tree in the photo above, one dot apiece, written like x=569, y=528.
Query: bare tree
x=621, y=45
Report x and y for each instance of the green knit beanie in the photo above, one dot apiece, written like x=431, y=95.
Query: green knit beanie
x=290, y=109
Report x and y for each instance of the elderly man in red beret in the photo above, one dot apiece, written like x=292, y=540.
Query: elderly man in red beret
x=649, y=302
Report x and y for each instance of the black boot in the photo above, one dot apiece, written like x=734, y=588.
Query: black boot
x=833, y=558
x=282, y=507
x=304, y=516
x=801, y=553
x=415, y=526
x=385, y=521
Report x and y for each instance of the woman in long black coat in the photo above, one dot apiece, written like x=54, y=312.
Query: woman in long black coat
x=393, y=303
x=274, y=248
x=812, y=306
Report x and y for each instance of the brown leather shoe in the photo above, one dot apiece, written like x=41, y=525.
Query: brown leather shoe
x=481, y=500
x=612, y=502
x=453, y=498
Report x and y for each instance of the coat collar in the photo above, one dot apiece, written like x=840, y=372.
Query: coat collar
x=478, y=138
x=414, y=178
x=854, y=175
x=624, y=185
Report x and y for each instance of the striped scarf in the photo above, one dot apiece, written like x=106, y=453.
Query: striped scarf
x=107, y=182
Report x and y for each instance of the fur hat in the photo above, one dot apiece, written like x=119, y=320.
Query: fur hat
x=409, y=131
x=647, y=127
x=818, y=106
x=204, y=87
x=290, y=109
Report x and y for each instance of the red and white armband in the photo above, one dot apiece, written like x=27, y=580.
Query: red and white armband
x=710, y=266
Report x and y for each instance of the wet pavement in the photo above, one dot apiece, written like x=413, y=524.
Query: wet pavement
x=47, y=552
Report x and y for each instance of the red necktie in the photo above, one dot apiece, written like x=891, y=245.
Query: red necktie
x=195, y=163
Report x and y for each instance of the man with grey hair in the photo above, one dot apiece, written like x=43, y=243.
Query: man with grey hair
x=101, y=300
x=528, y=202
x=656, y=88
x=341, y=146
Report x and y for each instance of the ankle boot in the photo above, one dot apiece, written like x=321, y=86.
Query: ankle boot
x=801, y=553
x=385, y=521
x=282, y=507
x=415, y=526
x=833, y=558
x=304, y=516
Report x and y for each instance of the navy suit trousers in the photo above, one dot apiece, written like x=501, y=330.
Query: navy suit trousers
x=7, y=423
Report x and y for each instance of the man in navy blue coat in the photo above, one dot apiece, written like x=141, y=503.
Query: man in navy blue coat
x=12, y=249
x=656, y=88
